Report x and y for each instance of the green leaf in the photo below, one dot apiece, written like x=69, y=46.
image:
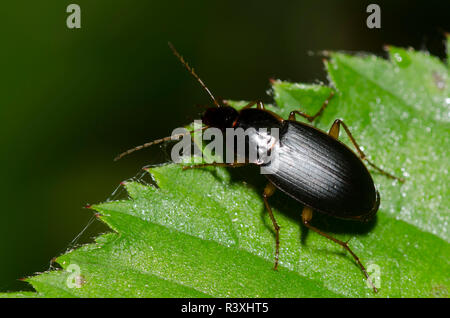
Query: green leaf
x=205, y=232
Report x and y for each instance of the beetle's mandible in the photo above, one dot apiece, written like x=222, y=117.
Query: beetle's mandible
x=313, y=167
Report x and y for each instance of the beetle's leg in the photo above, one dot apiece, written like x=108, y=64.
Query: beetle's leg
x=307, y=214
x=259, y=105
x=334, y=132
x=309, y=117
x=268, y=192
x=215, y=164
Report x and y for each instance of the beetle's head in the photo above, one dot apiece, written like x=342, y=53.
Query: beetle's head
x=220, y=117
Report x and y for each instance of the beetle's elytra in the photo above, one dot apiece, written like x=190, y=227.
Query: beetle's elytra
x=338, y=183
x=314, y=167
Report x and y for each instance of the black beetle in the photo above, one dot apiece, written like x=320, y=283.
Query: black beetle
x=313, y=166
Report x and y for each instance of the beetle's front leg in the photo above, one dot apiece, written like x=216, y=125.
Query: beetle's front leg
x=268, y=192
x=309, y=117
x=259, y=104
x=334, y=132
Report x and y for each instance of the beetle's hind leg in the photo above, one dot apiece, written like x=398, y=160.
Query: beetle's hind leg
x=307, y=214
x=334, y=132
x=268, y=192
x=309, y=117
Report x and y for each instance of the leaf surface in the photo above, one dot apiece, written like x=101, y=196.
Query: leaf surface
x=205, y=232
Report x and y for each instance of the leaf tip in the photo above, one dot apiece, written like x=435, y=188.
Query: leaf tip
x=326, y=62
x=53, y=261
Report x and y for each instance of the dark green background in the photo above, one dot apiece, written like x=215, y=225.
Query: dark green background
x=70, y=100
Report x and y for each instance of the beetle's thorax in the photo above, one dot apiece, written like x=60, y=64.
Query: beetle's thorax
x=256, y=118
x=261, y=132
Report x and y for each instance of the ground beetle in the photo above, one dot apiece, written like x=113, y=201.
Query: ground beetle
x=314, y=167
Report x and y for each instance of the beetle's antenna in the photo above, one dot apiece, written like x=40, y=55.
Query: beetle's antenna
x=157, y=141
x=191, y=70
